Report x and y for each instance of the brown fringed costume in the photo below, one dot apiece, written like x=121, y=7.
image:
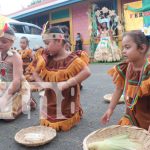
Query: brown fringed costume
x=59, y=71
x=140, y=114
x=26, y=57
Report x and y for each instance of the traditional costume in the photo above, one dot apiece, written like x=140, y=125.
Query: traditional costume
x=59, y=71
x=17, y=101
x=26, y=57
x=107, y=49
x=136, y=85
x=83, y=55
x=20, y=100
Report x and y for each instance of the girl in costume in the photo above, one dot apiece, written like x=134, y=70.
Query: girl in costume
x=132, y=78
x=55, y=64
x=25, y=52
x=27, y=56
x=14, y=89
x=107, y=50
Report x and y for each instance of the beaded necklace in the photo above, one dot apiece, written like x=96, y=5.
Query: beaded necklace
x=135, y=97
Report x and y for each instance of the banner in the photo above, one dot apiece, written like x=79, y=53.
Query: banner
x=146, y=15
x=133, y=20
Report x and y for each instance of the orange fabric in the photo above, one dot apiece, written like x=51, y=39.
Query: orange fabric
x=140, y=112
x=26, y=56
x=124, y=121
x=37, y=63
x=62, y=74
x=25, y=53
x=117, y=79
x=62, y=125
x=58, y=71
x=83, y=56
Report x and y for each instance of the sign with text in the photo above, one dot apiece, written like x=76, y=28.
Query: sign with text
x=133, y=20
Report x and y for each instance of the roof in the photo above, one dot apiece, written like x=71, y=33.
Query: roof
x=41, y=7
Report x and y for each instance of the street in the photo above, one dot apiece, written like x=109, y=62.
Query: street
x=94, y=88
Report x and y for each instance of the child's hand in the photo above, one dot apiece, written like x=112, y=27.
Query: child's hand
x=105, y=118
x=62, y=85
x=30, y=78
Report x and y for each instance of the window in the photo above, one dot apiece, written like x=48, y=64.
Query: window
x=27, y=29
x=17, y=28
x=34, y=30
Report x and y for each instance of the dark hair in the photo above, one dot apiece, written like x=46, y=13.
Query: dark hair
x=138, y=37
x=106, y=23
x=65, y=29
x=25, y=38
x=10, y=31
x=56, y=29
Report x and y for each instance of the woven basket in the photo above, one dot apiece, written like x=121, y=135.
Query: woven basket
x=35, y=136
x=108, y=97
x=134, y=133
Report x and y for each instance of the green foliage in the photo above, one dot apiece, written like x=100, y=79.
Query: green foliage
x=93, y=45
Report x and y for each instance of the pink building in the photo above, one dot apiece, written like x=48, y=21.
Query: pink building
x=72, y=13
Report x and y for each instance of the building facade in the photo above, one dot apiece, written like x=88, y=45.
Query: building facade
x=72, y=13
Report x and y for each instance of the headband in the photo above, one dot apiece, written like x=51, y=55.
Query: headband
x=53, y=36
x=3, y=29
x=7, y=36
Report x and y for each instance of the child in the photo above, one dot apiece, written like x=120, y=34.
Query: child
x=25, y=52
x=133, y=79
x=55, y=64
x=12, y=100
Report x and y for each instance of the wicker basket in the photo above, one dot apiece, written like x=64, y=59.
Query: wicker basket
x=108, y=97
x=134, y=133
x=35, y=136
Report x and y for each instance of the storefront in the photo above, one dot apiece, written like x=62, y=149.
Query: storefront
x=137, y=16
x=75, y=14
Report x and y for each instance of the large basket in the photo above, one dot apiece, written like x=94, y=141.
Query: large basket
x=35, y=136
x=108, y=97
x=134, y=133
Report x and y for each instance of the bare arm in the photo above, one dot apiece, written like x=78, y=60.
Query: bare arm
x=115, y=98
x=84, y=74
x=17, y=73
x=36, y=77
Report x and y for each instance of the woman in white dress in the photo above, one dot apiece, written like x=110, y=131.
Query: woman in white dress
x=107, y=50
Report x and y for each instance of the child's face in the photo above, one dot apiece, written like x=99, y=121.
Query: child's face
x=5, y=44
x=104, y=25
x=53, y=46
x=23, y=44
x=130, y=50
